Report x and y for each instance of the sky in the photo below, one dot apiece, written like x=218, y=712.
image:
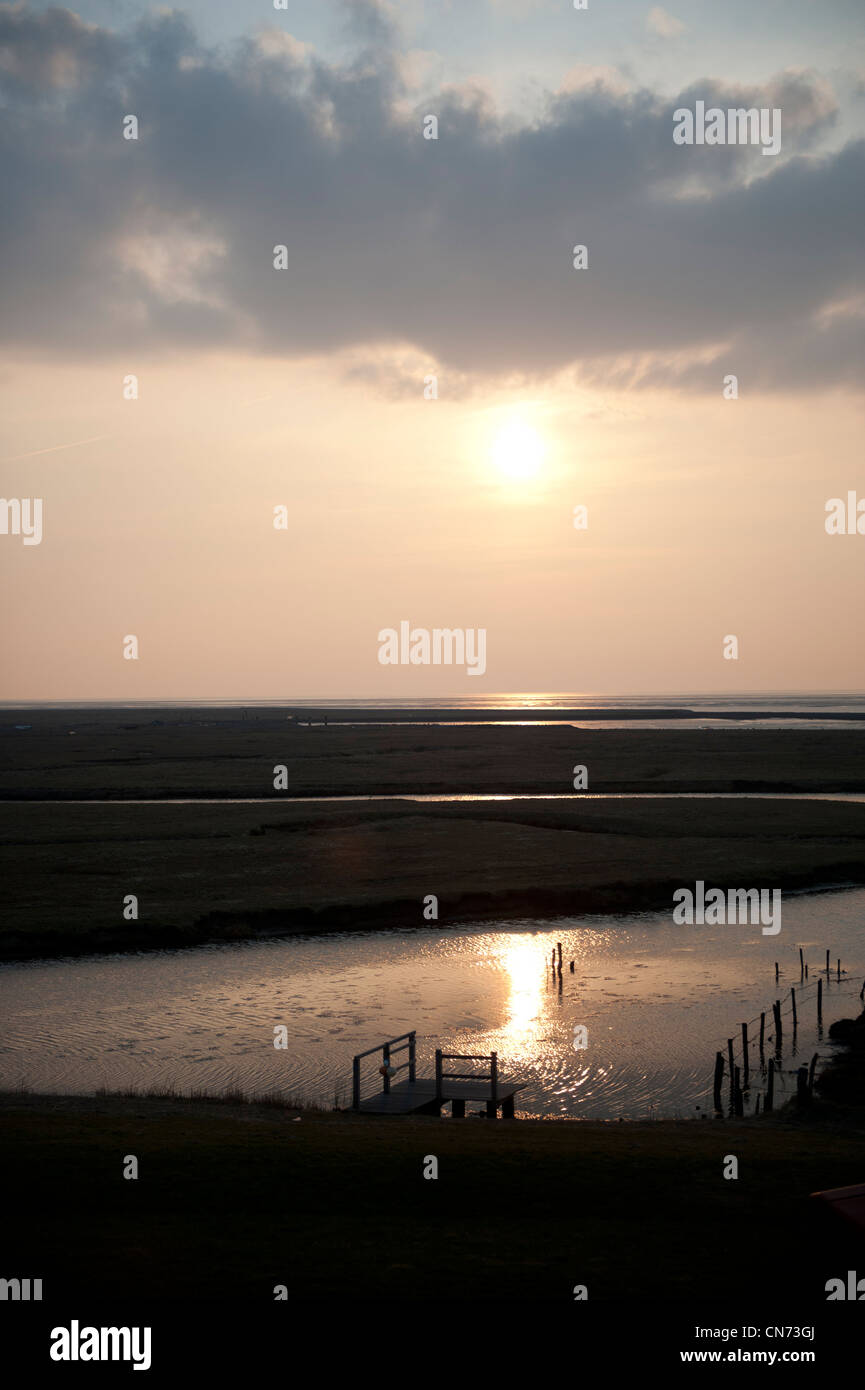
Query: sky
x=430, y=386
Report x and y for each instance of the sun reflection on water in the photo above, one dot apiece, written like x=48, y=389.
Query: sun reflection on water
x=520, y=959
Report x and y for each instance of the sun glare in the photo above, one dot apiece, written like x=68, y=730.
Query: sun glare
x=518, y=450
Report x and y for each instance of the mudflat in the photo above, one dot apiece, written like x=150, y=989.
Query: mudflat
x=133, y=753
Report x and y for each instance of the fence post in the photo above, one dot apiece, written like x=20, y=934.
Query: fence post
x=770, y=1088
x=718, y=1079
x=745, y=1054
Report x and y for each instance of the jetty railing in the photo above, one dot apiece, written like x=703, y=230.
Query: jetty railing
x=492, y=1076
x=405, y=1042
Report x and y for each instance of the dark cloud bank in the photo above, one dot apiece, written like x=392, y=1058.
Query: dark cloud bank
x=460, y=246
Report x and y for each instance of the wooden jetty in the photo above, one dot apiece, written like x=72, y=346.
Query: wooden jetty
x=426, y=1095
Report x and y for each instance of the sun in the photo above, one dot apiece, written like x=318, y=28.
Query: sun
x=518, y=450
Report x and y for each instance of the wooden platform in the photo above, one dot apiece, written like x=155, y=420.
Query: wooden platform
x=417, y=1097
x=426, y=1095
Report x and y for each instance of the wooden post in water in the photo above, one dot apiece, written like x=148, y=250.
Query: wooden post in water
x=737, y=1094
x=839, y=967
x=572, y=967
x=385, y=1058
x=745, y=1053
x=801, y=964
x=718, y=1079
x=811, y=1072
x=559, y=949
x=770, y=1088
x=819, y=1003
x=827, y=960
x=438, y=1071
x=355, y=1084
x=730, y=1063
x=793, y=1001
x=776, y=1010
x=776, y=972
x=762, y=1032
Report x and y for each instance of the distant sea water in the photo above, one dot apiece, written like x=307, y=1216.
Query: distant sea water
x=798, y=702
x=700, y=710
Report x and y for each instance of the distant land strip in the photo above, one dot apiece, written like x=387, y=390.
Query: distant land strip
x=459, y=716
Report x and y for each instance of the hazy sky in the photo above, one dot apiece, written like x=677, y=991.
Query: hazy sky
x=409, y=258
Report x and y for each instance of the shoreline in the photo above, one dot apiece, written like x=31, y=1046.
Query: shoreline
x=217, y=872
x=222, y=929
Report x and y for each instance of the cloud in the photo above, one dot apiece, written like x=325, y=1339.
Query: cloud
x=659, y=21
x=457, y=250
x=54, y=49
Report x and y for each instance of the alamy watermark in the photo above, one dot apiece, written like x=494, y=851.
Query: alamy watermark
x=76, y=1343
x=21, y=1290
x=736, y=126
x=738, y=906
x=845, y=518
x=22, y=516
x=443, y=646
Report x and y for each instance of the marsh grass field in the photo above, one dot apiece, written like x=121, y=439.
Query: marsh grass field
x=172, y=752
x=236, y=1198
x=83, y=821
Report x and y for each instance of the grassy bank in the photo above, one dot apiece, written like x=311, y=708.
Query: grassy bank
x=160, y=753
x=234, y=1199
x=228, y=872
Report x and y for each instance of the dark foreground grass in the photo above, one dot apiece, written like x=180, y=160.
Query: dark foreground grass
x=234, y=1199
